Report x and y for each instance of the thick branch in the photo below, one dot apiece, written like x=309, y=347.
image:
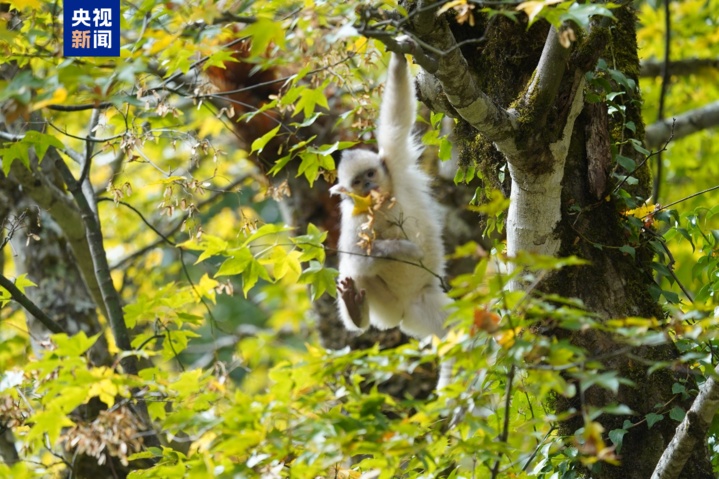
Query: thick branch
x=542, y=92
x=690, y=433
x=684, y=125
x=653, y=67
x=38, y=185
x=25, y=302
x=110, y=296
x=462, y=92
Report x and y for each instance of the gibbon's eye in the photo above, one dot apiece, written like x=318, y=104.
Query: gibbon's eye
x=356, y=182
x=370, y=173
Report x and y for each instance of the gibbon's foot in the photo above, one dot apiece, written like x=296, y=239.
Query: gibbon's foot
x=353, y=299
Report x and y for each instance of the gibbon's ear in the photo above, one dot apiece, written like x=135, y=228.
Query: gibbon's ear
x=336, y=156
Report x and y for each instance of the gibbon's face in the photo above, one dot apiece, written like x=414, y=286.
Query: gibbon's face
x=360, y=172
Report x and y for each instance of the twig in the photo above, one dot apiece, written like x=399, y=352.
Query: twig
x=663, y=93
x=175, y=228
x=653, y=153
x=142, y=217
x=684, y=199
x=505, y=429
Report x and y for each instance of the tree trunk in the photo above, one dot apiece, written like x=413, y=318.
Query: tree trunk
x=558, y=157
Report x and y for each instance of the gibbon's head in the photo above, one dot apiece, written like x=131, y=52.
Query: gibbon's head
x=360, y=172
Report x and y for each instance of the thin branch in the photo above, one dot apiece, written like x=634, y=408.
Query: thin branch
x=685, y=124
x=651, y=154
x=88, y=138
x=31, y=307
x=505, y=429
x=163, y=237
x=663, y=94
x=428, y=63
x=88, y=106
x=142, y=217
x=693, y=195
x=4, y=135
x=670, y=267
x=690, y=66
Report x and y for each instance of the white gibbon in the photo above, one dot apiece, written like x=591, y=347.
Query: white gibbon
x=391, y=258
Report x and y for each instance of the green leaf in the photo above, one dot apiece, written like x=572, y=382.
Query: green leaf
x=22, y=282
x=280, y=164
x=265, y=230
x=628, y=250
x=678, y=388
x=47, y=422
x=237, y=264
x=460, y=175
x=259, y=144
x=219, y=58
x=445, y=149
x=175, y=342
x=309, y=98
x=16, y=151
x=617, y=437
x=320, y=279
x=310, y=166
x=626, y=162
x=209, y=245
x=653, y=418
x=263, y=32
x=311, y=244
x=252, y=274
x=73, y=346
x=677, y=414
x=41, y=142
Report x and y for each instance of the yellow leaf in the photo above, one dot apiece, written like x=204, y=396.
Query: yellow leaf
x=506, y=338
x=533, y=8
x=642, y=211
x=58, y=96
x=106, y=390
x=449, y=5
x=161, y=43
x=358, y=46
x=206, y=287
x=363, y=204
x=22, y=4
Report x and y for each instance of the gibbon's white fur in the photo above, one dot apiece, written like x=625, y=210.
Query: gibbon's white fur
x=376, y=288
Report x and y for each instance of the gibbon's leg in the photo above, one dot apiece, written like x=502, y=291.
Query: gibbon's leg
x=397, y=248
x=353, y=306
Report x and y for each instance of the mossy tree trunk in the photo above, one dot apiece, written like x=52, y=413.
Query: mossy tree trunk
x=520, y=98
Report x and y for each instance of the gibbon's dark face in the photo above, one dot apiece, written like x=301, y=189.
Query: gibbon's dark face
x=360, y=172
x=366, y=181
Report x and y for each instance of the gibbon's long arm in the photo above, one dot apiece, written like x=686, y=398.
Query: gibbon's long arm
x=396, y=116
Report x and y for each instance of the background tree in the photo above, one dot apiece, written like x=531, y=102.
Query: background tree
x=579, y=344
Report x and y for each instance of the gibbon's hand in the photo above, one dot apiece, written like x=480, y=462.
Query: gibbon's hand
x=353, y=299
x=407, y=44
x=398, y=249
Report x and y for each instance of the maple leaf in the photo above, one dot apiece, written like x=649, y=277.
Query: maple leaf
x=363, y=204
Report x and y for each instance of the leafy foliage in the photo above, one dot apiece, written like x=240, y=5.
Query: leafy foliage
x=236, y=385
